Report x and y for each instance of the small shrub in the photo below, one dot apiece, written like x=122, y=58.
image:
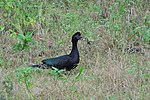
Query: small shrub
x=24, y=75
x=24, y=41
x=56, y=73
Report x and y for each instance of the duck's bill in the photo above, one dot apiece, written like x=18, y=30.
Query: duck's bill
x=83, y=38
x=80, y=38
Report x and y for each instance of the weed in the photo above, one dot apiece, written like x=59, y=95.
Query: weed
x=24, y=75
x=24, y=41
x=56, y=73
x=79, y=77
x=1, y=27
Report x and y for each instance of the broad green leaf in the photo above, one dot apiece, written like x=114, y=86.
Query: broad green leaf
x=1, y=27
x=21, y=37
x=1, y=3
x=26, y=47
x=29, y=35
x=29, y=84
x=18, y=46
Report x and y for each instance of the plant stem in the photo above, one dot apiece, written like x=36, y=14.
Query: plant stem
x=27, y=87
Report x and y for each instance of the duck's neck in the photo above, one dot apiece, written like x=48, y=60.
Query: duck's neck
x=74, y=52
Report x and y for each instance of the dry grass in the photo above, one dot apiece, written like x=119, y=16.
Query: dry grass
x=116, y=74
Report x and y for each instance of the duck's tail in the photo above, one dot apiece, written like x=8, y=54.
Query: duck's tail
x=43, y=66
x=39, y=66
x=36, y=66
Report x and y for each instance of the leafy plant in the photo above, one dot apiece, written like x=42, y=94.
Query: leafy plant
x=1, y=27
x=24, y=41
x=24, y=75
x=56, y=73
x=79, y=77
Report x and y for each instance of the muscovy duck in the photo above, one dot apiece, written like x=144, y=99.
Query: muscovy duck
x=67, y=62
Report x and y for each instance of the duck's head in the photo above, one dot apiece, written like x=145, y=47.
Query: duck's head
x=77, y=36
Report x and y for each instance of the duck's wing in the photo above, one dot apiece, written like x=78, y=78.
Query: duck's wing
x=59, y=62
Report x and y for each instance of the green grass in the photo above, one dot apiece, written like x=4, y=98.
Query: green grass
x=107, y=69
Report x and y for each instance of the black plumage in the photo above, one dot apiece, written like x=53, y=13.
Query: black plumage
x=67, y=62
